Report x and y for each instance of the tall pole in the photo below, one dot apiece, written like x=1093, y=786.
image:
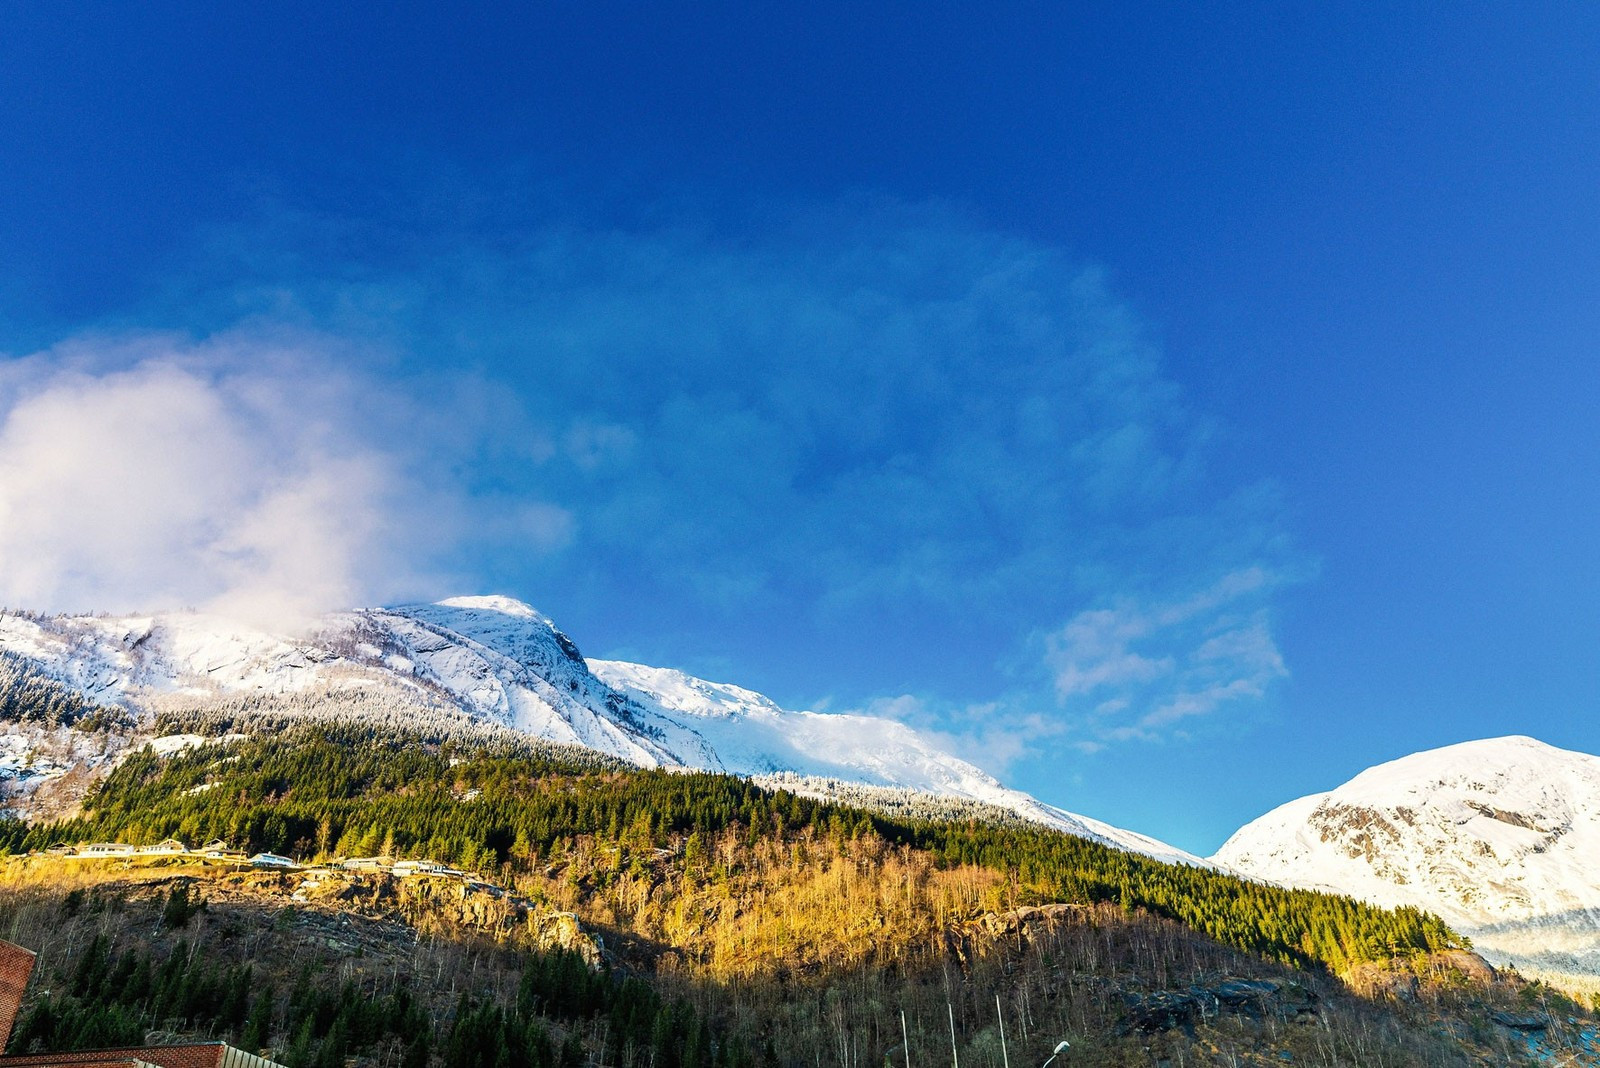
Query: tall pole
x=905, y=1038
x=1001, y=1016
x=954, y=1056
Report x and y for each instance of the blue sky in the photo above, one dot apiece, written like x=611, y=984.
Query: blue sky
x=1180, y=411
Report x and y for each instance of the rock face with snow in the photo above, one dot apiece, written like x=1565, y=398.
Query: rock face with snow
x=1499, y=837
x=496, y=660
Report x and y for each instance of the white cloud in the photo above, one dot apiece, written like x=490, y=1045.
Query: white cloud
x=1094, y=651
x=1138, y=669
x=246, y=474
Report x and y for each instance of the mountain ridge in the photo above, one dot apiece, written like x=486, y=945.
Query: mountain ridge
x=498, y=660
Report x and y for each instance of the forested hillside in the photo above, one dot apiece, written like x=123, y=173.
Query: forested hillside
x=122, y=959
x=319, y=792
x=710, y=921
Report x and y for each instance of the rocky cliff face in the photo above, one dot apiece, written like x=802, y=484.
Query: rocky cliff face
x=1499, y=837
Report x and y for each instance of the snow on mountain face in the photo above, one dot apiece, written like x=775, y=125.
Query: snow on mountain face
x=1499, y=837
x=498, y=660
x=750, y=735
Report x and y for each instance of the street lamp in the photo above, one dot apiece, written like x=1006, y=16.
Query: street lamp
x=1061, y=1047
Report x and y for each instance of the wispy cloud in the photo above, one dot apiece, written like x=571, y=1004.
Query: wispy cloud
x=1139, y=669
x=875, y=403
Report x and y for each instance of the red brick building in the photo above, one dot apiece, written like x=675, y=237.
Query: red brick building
x=186, y=1055
x=16, y=964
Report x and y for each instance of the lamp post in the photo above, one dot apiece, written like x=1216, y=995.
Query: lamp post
x=1061, y=1047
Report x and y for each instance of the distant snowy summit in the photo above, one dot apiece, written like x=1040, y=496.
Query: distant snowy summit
x=1500, y=837
x=497, y=660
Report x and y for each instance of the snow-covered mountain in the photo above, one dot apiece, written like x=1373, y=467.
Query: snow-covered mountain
x=498, y=661
x=1500, y=837
x=745, y=733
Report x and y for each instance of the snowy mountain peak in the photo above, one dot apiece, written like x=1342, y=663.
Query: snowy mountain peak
x=506, y=606
x=1500, y=836
x=502, y=624
x=1483, y=765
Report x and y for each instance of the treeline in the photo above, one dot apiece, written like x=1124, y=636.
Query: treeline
x=561, y=1010
x=310, y=791
x=627, y=1014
